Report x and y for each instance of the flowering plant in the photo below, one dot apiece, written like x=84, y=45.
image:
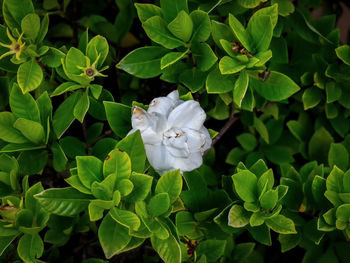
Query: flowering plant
x=173, y=133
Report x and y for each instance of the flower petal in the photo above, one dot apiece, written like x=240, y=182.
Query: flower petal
x=164, y=105
x=187, y=115
x=195, y=139
x=208, y=139
x=174, y=95
x=140, y=119
x=188, y=164
x=159, y=157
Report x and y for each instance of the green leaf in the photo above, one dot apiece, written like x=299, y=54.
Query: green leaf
x=29, y=76
x=75, y=182
x=260, y=29
x=89, y=170
x=63, y=201
x=143, y=62
x=204, y=56
x=261, y=234
x=319, y=145
x=277, y=87
x=159, y=204
x=318, y=188
x=15, y=10
x=311, y=97
x=185, y=223
x=249, y=3
x=133, y=146
x=343, y=52
x=23, y=105
x=82, y=106
x=289, y=241
x=7, y=132
x=240, y=33
x=63, y=116
x=213, y=249
x=218, y=83
x=201, y=26
x=170, y=8
x=240, y=88
x=339, y=156
x=145, y=11
x=335, y=180
x=281, y=224
x=193, y=78
x=271, y=11
x=156, y=29
x=30, y=247
x=142, y=186
x=117, y=162
x=170, y=183
x=220, y=31
x=97, y=48
x=245, y=183
x=113, y=236
x=32, y=162
x=125, y=218
x=238, y=217
x=172, y=57
x=247, y=141
x=43, y=29
x=285, y=8
x=5, y=241
x=230, y=65
x=65, y=87
x=32, y=130
x=121, y=125
x=30, y=25
x=181, y=26
x=261, y=129
x=269, y=199
x=73, y=59
x=59, y=159
x=168, y=249
x=125, y=187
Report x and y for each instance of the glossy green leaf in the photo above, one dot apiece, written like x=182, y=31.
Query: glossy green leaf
x=343, y=52
x=204, y=56
x=29, y=76
x=240, y=33
x=30, y=25
x=120, y=125
x=142, y=186
x=30, y=247
x=125, y=218
x=170, y=8
x=63, y=201
x=171, y=58
x=181, y=26
x=201, y=26
x=7, y=132
x=169, y=249
x=238, y=217
x=339, y=156
x=32, y=130
x=145, y=11
x=245, y=184
x=97, y=48
x=218, y=83
x=89, y=170
x=159, y=204
x=156, y=29
x=170, y=183
x=277, y=87
x=281, y=224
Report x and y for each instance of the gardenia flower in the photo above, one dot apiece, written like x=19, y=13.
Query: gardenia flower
x=173, y=133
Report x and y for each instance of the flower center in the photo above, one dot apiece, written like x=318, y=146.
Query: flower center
x=90, y=72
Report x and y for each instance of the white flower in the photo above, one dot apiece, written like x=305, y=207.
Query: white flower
x=173, y=133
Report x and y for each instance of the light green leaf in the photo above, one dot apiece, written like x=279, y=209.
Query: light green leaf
x=240, y=33
x=63, y=201
x=159, y=204
x=171, y=58
x=15, y=10
x=276, y=87
x=133, y=146
x=32, y=130
x=311, y=97
x=7, y=132
x=343, y=52
x=238, y=217
x=170, y=8
x=82, y=106
x=281, y=224
x=181, y=26
x=245, y=183
x=145, y=11
x=261, y=129
x=201, y=26
x=142, y=186
x=89, y=170
x=169, y=249
x=117, y=162
x=230, y=65
x=125, y=218
x=29, y=76
x=121, y=125
x=30, y=25
x=23, y=105
x=260, y=29
x=97, y=47
x=143, y=62
x=218, y=83
x=63, y=116
x=240, y=88
x=204, y=56
x=65, y=87
x=170, y=183
x=156, y=29
x=113, y=236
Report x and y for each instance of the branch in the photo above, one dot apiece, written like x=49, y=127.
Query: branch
x=223, y=130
